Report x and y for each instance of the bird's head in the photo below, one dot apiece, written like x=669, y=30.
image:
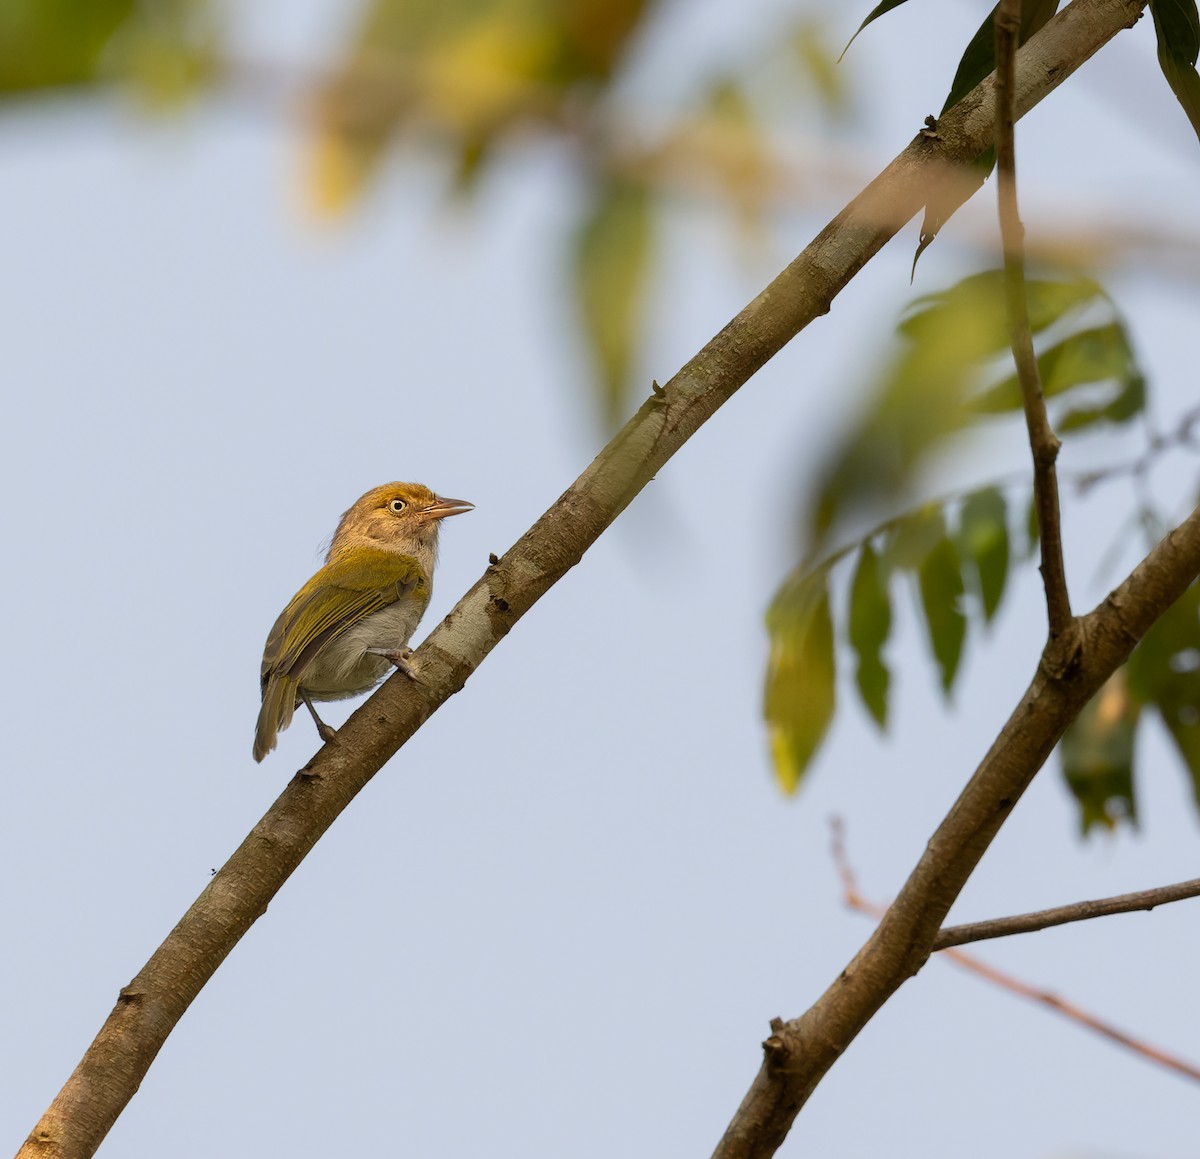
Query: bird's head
x=400, y=517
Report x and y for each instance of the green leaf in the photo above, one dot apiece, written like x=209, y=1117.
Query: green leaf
x=612, y=265
x=912, y=537
x=977, y=61
x=869, y=627
x=1097, y=757
x=929, y=392
x=875, y=13
x=971, y=314
x=941, y=583
x=1164, y=673
x=1177, y=26
x=1098, y=354
x=1129, y=401
x=983, y=540
x=800, y=695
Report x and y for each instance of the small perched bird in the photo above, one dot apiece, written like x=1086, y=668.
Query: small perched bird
x=355, y=616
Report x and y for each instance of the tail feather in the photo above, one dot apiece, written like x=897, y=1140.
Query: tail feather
x=279, y=702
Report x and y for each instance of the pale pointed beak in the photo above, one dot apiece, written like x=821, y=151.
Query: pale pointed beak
x=441, y=508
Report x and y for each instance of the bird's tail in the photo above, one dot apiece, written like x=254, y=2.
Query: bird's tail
x=279, y=702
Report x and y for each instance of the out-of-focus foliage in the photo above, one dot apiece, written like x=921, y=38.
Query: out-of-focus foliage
x=469, y=71
x=612, y=264
x=1097, y=757
x=801, y=673
x=1162, y=676
x=955, y=556
x=947, y=376
x=166, y=48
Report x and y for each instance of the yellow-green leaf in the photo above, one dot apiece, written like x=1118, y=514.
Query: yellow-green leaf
x=612, y=266
x=870, y=623
x=800, y=695
x=941, y=583
x=1164, y=673
x=983, y=540
x=1097, y=354
x=1097, y=757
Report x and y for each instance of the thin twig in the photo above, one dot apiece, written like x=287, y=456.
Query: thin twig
x=1042, y=440
x=1079, y=911
x=1025, y=923
x=1075, y=1014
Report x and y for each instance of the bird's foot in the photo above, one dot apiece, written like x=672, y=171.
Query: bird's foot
x=399, y=657
x=324, y=731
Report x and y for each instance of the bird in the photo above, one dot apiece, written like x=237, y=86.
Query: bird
x=351, y=621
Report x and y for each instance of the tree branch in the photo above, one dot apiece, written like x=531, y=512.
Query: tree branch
x=150, y=1006
x=949, y=937
x=1080, y=911
x=1042, y=440
x=1076, y=1014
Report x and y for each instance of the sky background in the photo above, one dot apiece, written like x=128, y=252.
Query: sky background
x=560, y=919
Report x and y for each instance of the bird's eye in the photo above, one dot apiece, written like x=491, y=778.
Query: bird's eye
x=395, y=506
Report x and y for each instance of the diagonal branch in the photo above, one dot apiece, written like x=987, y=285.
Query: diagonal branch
x=1042, y=440
x=151, y=1005
x=799, y=1053
x=1080, y=911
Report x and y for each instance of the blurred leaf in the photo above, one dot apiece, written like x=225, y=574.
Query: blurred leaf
x=1177, y=26
x=735, y=146
x=875, y=13
x=977, y=61
x=1097, y=757
x=44, y=43
x=912, y=537
x=1164, y=673
x=1129, y=401
x=983, y=539
x=1098, y=354
x=976, y=305
x=800, y=695
x=941, y=583
x=924, y=396
x=869, y=627
x=169, y=52
x=595, y=34
x=612, y=259
x=812, y=50
x=469, y=71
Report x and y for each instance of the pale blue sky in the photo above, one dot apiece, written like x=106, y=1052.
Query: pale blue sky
x=559, y=921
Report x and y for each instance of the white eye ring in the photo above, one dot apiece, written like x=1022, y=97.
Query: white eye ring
x=396, y=506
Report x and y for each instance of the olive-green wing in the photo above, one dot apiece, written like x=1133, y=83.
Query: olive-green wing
x=345, y=591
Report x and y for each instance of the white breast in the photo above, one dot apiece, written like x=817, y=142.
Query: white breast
x=345, y=668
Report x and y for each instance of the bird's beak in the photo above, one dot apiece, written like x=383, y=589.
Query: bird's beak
x=440, y=508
